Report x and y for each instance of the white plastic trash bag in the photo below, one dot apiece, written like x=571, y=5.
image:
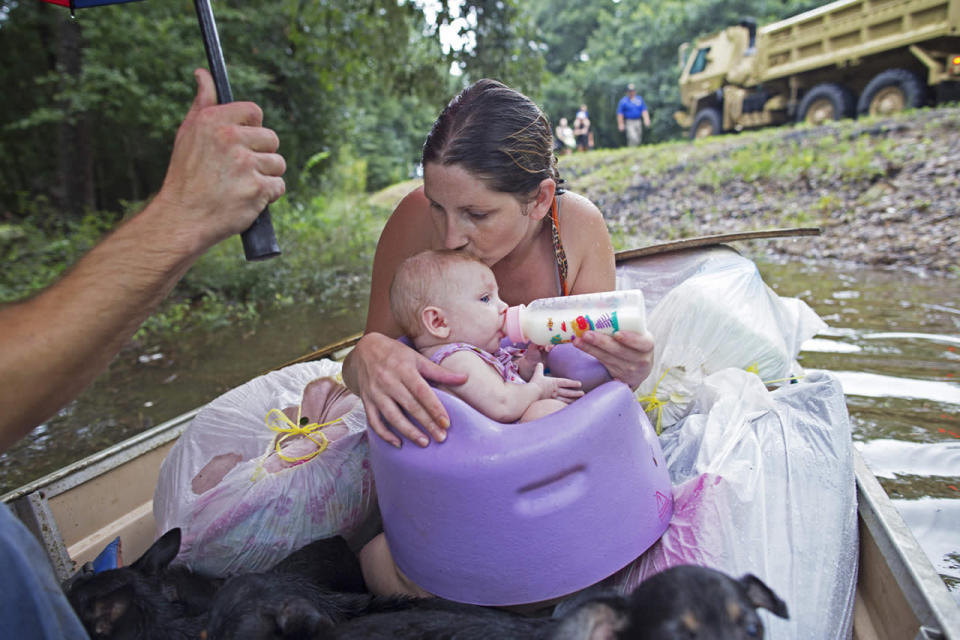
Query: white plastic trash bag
x=243, y=505
x=764, y=484
x=723, y=315
x=658, y=274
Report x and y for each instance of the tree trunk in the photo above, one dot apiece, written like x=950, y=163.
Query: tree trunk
x=74, y=193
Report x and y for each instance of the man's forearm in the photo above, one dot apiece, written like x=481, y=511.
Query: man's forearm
x=54, y=344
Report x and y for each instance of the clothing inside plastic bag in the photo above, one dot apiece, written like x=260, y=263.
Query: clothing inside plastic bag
x=266, y=468
x=714, y=311
x=764, y=484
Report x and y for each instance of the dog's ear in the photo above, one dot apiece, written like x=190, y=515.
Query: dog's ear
x=160, y=554
x=594, y=620
x=760, y=595
x=101, y=614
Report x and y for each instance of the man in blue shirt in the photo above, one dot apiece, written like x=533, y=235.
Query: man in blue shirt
x=630, y=113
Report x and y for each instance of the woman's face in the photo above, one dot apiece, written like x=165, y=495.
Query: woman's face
x=470, y=216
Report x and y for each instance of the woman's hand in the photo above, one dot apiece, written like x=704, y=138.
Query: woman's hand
x=627, y=355
x=391, y=378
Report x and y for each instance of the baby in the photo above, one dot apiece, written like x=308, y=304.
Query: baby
x=447, y=303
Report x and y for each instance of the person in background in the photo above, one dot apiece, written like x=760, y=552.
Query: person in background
x=223, y=171
x=565, y=136
x=632, y=116
x=581, y=129
x=491, y=189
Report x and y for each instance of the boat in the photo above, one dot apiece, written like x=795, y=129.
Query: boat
x=79, y=509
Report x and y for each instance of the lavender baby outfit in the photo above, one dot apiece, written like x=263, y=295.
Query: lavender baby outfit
x=502, y=360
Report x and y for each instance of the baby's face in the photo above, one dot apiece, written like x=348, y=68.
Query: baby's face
x=474, y=310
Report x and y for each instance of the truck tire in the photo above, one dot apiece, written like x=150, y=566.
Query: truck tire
x=892, y=91
x=824, y=103
x=707, y=123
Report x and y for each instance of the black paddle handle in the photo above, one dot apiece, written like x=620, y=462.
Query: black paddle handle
x=259, y=241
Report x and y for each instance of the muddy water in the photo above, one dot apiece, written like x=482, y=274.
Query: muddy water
x=160, y=381
x=894, y=342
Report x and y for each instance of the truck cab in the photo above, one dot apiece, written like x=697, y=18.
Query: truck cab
x=718, y=61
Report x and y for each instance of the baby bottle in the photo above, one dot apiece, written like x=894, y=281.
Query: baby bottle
x=558, y=320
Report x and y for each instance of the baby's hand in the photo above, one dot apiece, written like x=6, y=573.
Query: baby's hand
x=527, y=363
x=563, y=389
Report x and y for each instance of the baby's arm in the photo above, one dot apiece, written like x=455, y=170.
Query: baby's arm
x=487, y=391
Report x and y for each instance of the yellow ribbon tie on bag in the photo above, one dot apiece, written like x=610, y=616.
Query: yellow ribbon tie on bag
x=653, y=402
x=278, y=421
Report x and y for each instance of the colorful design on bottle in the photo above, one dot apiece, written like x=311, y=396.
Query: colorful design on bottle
x=581, y=324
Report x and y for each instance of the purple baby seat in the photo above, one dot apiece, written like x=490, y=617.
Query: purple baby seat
x=502, y=514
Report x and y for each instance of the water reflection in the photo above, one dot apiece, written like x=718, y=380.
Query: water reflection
x=894, y=344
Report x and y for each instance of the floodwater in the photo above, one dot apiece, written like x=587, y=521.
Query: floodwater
x=894, y=343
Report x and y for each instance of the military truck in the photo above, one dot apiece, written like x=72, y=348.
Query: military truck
x=846, y=58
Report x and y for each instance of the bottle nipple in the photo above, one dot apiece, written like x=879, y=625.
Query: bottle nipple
x=512, y=324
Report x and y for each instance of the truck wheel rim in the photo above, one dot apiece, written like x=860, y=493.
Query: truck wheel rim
x=704, y=130
x=821, y=111
x=888, y=100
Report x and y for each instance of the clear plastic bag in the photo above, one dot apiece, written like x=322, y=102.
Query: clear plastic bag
x=764, y=484
x=714, y=312
x=244, y=495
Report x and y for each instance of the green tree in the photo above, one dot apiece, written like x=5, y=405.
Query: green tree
x=319, y=70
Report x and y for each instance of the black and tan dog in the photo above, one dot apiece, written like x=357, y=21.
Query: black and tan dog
x=679, y=603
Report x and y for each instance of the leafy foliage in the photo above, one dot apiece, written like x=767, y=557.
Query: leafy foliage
x=323, y=73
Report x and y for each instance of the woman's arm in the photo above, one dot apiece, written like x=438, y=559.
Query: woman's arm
x=627, y=355
x=390, y=377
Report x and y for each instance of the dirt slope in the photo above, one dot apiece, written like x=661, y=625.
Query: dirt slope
x=884, y=192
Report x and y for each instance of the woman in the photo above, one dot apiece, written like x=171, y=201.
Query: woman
x=491, y=188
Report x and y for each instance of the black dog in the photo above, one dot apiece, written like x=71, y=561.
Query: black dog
x=148, y=599
x=303, y=596
x=682, y=602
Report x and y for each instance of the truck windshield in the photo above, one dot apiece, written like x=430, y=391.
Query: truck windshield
x=700, y=62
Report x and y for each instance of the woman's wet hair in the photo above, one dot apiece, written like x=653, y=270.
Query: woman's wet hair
x=491, y=131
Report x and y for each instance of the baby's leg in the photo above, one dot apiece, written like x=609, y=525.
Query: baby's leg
x=381, y=574
x=542, y=408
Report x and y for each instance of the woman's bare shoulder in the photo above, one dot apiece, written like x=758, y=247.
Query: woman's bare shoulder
x=580, y=220
x=586, y=241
